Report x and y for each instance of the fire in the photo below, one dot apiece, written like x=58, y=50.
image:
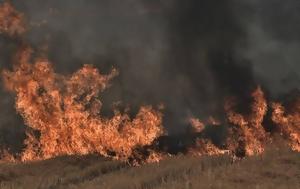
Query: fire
x=288, y=123
x=11, y=21
x=63, y=114
x=250, y=134
x=66, y=112
x=197, y=125
x=213, y=121
x=205, y=147
x=6, y=156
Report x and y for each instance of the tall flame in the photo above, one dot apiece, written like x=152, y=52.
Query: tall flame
x=250, y=134
x=66, y=112
x=288, y=123
x=63, y=114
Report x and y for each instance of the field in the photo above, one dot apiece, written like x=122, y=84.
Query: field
x=275, y=169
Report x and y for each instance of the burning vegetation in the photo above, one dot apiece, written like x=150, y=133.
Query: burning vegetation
x=11, y=21
x=66, y=113
x=251, y=136
x=63, y=114
x=288, y=123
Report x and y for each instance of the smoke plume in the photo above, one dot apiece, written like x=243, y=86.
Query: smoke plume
x=187, y=55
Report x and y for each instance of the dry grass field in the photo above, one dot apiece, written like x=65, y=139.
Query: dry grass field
x=275, y=169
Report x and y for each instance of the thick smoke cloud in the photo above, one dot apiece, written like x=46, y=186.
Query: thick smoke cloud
x=188, y=55
x=11, y=125
x=273, y=42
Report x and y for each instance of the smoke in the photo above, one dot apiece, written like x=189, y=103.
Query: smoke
x=273, y=40
x=188, y=55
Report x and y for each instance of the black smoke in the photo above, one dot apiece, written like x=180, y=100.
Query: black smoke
x=187, y=54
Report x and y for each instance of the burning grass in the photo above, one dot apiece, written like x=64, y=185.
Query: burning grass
x=11, y=21
x=63, y=114
x=65, y=111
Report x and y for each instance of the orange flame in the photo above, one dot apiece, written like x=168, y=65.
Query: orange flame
x=288, y=123
x=11, y=21
x=251, y=135
x=66, y=112
x=204, y=146
x=63, y=114
x=197, y=125
x=6, y=156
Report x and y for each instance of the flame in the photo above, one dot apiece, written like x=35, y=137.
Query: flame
x=248, y=137
x=204, y=146
x=197, y=125
x=6, y=156
x=66, y=112
x=11, y=21
x=213, y=121
x=288, y=123
x=251, y=136
x=63, y=114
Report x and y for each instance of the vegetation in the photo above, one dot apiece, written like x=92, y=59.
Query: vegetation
x=275, y=169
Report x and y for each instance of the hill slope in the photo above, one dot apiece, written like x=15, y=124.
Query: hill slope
x=275, y=169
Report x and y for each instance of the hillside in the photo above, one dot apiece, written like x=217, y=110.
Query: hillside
x=275, y=169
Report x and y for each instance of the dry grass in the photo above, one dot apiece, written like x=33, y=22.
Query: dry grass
x=275, y=169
